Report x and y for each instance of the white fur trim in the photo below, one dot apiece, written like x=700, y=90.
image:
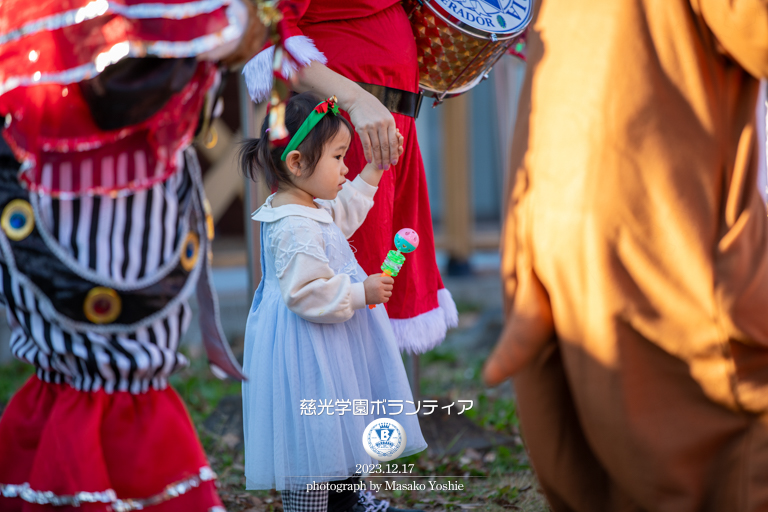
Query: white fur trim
x=424, y=332
x=258, y=70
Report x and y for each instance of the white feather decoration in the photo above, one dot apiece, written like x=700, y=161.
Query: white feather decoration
x=258, y=70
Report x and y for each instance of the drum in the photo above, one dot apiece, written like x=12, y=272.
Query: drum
x=459, y=41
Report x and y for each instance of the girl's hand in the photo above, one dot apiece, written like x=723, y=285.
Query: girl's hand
x=400, y=144
x=378, y=288
x=370, y=174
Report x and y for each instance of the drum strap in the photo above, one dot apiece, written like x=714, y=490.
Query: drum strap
x=397, y=101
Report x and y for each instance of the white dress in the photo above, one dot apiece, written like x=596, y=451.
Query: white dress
x=310, y=336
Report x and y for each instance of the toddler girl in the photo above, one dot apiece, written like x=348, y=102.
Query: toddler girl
x=312, y=345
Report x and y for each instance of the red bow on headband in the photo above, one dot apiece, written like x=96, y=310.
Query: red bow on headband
x=322, y=108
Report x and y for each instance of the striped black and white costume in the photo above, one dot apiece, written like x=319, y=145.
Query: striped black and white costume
x=137, y=245
x=150, y=249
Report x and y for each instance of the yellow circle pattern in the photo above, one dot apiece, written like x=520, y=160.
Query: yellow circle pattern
x=190, y=251
x=102, y=305
x=18, y=219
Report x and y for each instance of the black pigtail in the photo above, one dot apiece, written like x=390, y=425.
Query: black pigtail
x=256, y=157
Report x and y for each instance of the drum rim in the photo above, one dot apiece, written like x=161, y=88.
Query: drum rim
x=450, y=93
x=441, y=13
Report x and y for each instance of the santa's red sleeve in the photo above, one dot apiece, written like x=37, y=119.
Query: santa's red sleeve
x=259, y=72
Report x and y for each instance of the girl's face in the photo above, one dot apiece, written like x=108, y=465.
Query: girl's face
x=328, y=177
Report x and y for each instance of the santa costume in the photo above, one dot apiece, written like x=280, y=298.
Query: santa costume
x=371, y=42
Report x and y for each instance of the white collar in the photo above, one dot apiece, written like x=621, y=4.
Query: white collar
x=268, y=213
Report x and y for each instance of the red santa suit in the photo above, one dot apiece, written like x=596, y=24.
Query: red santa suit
x=371, y=41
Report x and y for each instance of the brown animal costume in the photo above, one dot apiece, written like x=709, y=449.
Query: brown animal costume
x=635, y=256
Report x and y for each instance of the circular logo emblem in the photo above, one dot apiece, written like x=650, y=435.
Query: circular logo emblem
x=501, y=17
x=384, y=439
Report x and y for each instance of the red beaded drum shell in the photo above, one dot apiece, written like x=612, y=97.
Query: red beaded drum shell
x=454, y=56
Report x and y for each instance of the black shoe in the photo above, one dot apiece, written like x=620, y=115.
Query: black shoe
x=367, y=503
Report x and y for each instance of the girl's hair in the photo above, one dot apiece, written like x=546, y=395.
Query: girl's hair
x=256, y=155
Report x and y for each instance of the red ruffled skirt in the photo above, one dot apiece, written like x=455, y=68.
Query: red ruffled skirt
x=94, y=451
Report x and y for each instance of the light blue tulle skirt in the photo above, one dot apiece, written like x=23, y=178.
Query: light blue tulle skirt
x=287, y=360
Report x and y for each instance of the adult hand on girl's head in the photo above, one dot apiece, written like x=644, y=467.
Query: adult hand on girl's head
x=376, y=128
x=378, y=288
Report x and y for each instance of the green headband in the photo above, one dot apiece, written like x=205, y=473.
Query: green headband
x=310, y=122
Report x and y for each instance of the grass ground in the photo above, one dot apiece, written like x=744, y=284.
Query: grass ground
x=495, y=480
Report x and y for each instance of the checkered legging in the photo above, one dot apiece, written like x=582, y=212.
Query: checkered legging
x=297, y=499
x=302, y=500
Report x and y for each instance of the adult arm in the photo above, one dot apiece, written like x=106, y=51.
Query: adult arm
x=372, y=121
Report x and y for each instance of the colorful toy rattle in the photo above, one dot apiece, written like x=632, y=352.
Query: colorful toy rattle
x=406, y=240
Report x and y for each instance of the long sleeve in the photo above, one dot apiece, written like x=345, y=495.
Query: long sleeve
x=351, y=205
x=741, y=27
x=308, y=285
